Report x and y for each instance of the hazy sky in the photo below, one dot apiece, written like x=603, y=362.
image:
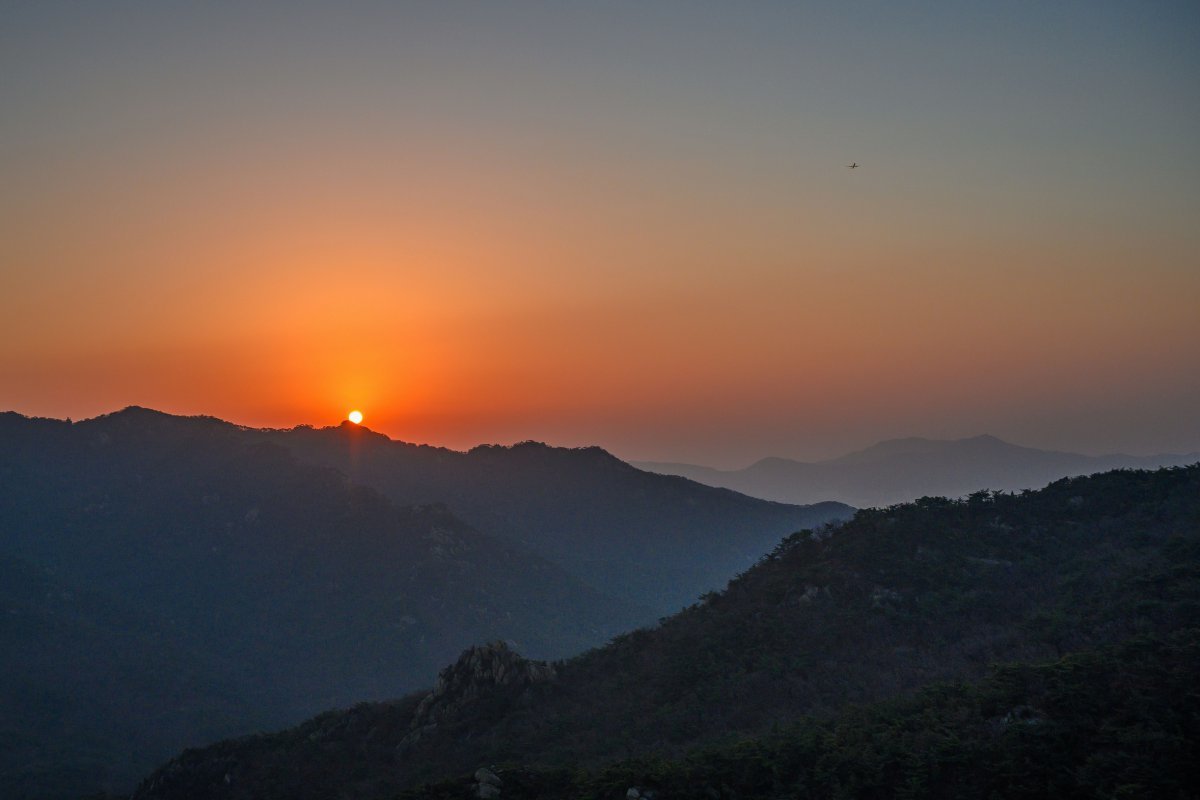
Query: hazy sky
x=627, y=224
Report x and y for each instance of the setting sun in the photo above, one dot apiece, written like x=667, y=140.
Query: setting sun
x=355, y=416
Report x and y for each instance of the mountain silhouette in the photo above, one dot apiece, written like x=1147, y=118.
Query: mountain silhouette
x=169, y=580
x=657, y=541
x=226, y=579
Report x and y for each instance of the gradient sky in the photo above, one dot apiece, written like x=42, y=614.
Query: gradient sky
x=625, y=224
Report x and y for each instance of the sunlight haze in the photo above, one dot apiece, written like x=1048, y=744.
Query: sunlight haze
x=621, y=224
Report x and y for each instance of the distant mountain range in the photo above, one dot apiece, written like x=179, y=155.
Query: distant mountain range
x=796, y=680
x=169, y=580
x=900, y=470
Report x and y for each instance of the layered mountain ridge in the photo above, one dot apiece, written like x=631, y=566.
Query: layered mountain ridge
x=656, y=540
x=178, y=579
x=892, y=601
x=901, y=470
x=185, y=567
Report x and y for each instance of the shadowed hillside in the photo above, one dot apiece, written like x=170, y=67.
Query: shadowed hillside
x=1116, y=721
x=170, y=580
x=895, y=600
x=656, y=540
x=93, y=688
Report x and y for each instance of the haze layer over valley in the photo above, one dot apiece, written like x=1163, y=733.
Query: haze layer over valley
x=900, y=470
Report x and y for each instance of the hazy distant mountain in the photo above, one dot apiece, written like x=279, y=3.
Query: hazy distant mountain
x=1107, y=567
x=899, y=470
x=166, y=580
x=655, y=540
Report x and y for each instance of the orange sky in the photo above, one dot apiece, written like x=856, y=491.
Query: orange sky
x=674, y=270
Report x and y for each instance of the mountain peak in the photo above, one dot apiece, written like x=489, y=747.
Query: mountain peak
x=480, y=672
x=531, y=449
x=919, y=445
x=149, y=419
x=348, y=428
x=136, y=412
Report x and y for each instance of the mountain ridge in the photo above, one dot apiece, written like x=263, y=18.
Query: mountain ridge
x=656, y=540
x=891, y=601
x=270, y=550
x=274, y=586
x=901, y=470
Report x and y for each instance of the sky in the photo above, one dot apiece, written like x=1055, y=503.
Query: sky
x=619, y=223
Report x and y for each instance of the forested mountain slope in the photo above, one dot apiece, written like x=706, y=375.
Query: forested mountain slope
x=895, y=600
x=172, y=580
x=1116, y=721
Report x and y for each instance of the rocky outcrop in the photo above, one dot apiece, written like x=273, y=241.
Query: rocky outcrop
x=641, y=793
x=487, y=784
x=480, y=673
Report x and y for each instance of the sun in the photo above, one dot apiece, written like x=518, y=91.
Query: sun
x=355, y=416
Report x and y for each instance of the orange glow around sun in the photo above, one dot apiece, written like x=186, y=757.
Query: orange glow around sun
x=355, y=416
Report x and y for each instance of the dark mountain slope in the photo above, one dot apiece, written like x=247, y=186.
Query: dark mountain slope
x=900, y=470
x=94, y=689
x=656, y=540
x=305, y=589
x=1119, y=721
x=231, y=534
x=894, y=600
